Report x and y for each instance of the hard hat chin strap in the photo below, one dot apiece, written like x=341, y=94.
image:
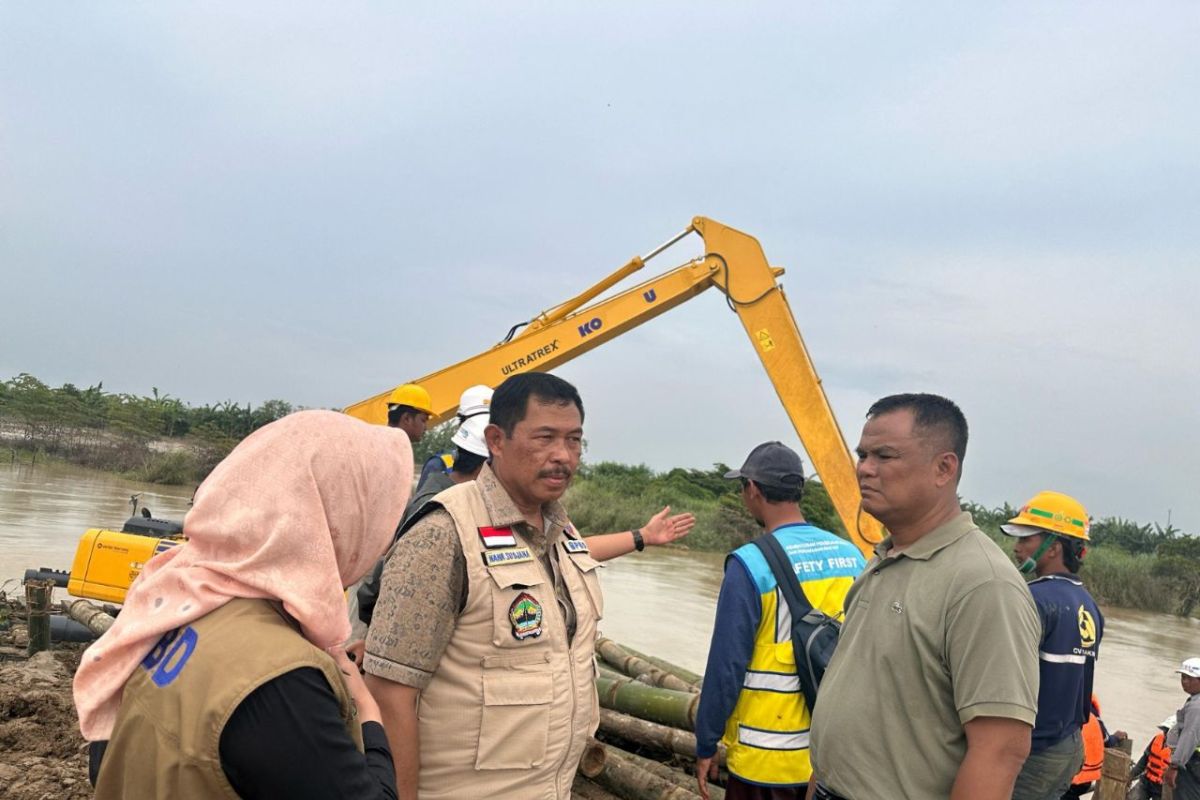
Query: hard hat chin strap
x=1030, y=564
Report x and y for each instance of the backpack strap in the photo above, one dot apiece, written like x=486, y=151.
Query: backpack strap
x=785, y=575
x=806, y=621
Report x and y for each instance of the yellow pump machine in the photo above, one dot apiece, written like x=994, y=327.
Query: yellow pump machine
x=106, y=562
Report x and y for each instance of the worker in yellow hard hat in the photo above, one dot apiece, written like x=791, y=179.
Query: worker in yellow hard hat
x=1051, y=532
x=409, y=409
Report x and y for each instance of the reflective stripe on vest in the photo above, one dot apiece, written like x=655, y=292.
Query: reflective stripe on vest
x=1062, y=658
x=772, y=682
x=773, y=740
x=767, y=735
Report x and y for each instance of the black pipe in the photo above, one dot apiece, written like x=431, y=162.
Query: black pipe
x=59, y=576
x=65, y=629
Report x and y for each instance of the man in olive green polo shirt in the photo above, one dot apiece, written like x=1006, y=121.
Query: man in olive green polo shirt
x=932, y=692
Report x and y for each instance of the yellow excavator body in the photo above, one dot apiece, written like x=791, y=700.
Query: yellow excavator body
x=107, y=562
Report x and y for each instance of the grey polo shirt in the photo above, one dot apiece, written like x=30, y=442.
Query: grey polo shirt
x=936, y=635
x=1184, y=736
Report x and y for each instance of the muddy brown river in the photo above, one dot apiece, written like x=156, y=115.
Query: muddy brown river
x=658, y=601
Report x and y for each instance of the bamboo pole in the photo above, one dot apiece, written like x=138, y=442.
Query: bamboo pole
x=622, y=777
x=667, y=666
x=609, y=672
x=1114, y=775
x=673, y=774
x=37, y=605
x=591, y=763
x=583, y=789
x=638, y=667
x=651, y=734
x=667, y=707
x=90, y=615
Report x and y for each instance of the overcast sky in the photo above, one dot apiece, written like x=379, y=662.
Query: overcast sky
x=315, y=202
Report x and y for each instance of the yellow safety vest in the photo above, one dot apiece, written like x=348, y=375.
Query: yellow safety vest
x=767, y=735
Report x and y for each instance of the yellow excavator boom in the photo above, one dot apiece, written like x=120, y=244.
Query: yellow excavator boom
x=734, y=263
x=107, y=562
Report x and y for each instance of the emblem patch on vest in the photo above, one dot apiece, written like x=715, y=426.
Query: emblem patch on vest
x=1087, y=628
x=525, y=614
x=494, y=558
x=575, y=546
x=497, y=537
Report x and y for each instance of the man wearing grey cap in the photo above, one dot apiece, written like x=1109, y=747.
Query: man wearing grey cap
x=752, y=698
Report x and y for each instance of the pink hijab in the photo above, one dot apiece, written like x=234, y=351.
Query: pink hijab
x=301, y=508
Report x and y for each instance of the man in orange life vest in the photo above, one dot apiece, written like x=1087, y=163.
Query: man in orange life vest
x=1152, y=766
x=1095, y=738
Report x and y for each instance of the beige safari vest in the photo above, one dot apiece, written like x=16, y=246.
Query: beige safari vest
x=503, y=717
x=175, y=705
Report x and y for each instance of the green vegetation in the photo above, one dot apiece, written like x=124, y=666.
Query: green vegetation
x=159, y=439
x=613, y=497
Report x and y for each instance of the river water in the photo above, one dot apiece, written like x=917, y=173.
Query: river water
x=658, y=601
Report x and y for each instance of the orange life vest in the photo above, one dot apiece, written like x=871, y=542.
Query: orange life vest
x=1158, y=756
x=1093, y=747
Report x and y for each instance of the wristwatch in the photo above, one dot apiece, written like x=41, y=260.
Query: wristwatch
x=639, y=543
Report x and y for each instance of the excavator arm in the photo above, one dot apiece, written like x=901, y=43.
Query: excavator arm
x=735, y=264
x=107, y=562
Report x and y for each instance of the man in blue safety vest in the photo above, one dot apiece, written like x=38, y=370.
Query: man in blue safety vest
x=751, y=698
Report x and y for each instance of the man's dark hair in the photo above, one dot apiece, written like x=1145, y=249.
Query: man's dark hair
x=511, y=398
x=466, y=462
x=1072, y=550
x=931, y=413
x=397, y=411
x=778, y=494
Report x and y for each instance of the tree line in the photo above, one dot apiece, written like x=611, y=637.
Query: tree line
x=1128, y=564
x=160, y=438
x=157, y=438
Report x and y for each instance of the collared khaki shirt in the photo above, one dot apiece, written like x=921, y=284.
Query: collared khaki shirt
x=935, y=635
x=424, y=586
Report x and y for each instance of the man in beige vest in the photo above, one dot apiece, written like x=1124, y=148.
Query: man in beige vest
x=481, y=654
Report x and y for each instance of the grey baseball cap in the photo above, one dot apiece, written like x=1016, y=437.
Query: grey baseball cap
x=772, y=464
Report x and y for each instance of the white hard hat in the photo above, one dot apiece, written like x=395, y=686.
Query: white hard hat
x=475, y=400
x=1168, y=723
x=469, y=436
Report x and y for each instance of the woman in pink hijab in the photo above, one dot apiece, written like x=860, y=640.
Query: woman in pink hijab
x=225, y=673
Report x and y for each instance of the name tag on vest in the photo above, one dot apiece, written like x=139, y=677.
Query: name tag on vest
x=575, y=546
x=516, y=555
x=497, y=537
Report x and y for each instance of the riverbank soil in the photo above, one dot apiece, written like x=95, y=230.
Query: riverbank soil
x=42, y=754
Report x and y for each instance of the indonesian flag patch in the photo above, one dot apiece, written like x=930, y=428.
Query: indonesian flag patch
x=497, y=537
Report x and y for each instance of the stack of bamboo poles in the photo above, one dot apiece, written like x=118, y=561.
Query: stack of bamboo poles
x=647, y=715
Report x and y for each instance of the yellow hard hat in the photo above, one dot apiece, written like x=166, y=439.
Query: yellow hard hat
x=412, y=395
x=1051, y=512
